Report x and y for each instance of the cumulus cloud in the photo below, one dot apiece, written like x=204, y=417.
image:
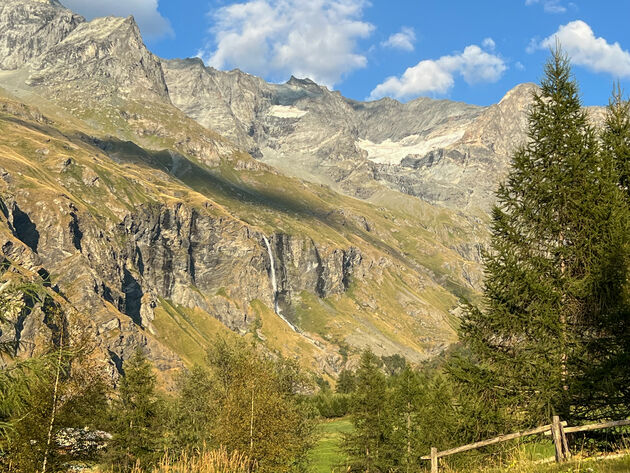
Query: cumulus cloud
x=550, y=6
x=437, y=76
x=152, y=24
x=275, y=38
x=585, y=49
x=403, y=40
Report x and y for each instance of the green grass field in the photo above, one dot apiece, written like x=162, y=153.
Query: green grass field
x=327, y=457
x=327, y=454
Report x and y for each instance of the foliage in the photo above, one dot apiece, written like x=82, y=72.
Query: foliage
x=346, y=382
x=43, y=395
x=331, y=404
x=607, y=378
x=556, y=267
x=139, y=423
x=367, y=446
x=394, y=364
x=194, y=411
x=258, y=408
x=616, y=137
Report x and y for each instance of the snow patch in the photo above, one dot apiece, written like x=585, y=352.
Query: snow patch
x=393, y=152
x=285, y=111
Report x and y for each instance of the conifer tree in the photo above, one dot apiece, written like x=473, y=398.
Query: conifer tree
x=346, y=382
x=195, y=410
x=367, y=445
x=405, y=407
x=607, y=378
x=616, y=137
x=139, y=424
x=551, y=272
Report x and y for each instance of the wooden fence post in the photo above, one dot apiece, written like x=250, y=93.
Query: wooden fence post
x=565, y=444
x=556, y=433
x=434, y=460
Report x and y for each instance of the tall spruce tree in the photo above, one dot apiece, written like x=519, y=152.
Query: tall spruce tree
x=367, y=446
x=139, y=423
x=607, y=379
x=195, y=410
x=406, y=407
x=551, y=271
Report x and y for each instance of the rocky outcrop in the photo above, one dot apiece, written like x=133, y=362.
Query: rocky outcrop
x=107, y=54
x=302, y=265
x=182, y=254
x=445, y=152
x=29, y=28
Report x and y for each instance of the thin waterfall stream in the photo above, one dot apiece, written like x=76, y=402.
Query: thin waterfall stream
x=274, y=285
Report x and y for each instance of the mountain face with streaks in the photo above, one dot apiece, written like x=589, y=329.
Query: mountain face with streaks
x=166, y=202
x=447, y=153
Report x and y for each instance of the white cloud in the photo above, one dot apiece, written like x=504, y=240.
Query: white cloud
x=585, y=49
x=275, y=38
x=438, y=76
x=489, y=44
x=152, y=24
x=550, y=6
x=519, y=65
x=403, y=40
x=533, y=46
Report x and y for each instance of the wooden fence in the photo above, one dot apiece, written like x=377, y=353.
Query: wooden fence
x=556, y=429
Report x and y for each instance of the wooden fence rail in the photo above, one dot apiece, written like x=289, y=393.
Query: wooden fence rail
x=556, y=429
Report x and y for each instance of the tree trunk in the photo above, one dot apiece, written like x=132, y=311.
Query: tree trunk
x=53, y=412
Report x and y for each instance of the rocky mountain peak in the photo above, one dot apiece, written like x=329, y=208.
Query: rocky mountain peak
x=503, y=126
x=307, y=85
x=28, y=28
x=520, y=93
x=306, y=82
x=107, y=55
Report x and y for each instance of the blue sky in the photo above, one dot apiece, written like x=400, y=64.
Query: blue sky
x=458, y=49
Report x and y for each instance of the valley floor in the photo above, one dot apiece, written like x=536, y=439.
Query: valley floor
x=327, y=457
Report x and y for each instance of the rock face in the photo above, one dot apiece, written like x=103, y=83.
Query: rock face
x=445, y=152
x=108, y=55
x=172, y=252
x=27, y=29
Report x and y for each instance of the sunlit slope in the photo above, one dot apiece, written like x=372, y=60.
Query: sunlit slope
x=149, y=211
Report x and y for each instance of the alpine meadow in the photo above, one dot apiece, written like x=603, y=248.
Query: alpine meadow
x=305, y=248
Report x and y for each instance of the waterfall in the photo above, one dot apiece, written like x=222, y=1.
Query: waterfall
x=274, y=285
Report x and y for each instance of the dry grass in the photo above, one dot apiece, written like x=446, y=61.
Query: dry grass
x=213, y=461
x=615, y=463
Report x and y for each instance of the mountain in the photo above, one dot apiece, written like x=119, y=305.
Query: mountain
x=166, y=202
x=447, y=153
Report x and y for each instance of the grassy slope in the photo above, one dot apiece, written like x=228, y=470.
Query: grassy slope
x=404, y=309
